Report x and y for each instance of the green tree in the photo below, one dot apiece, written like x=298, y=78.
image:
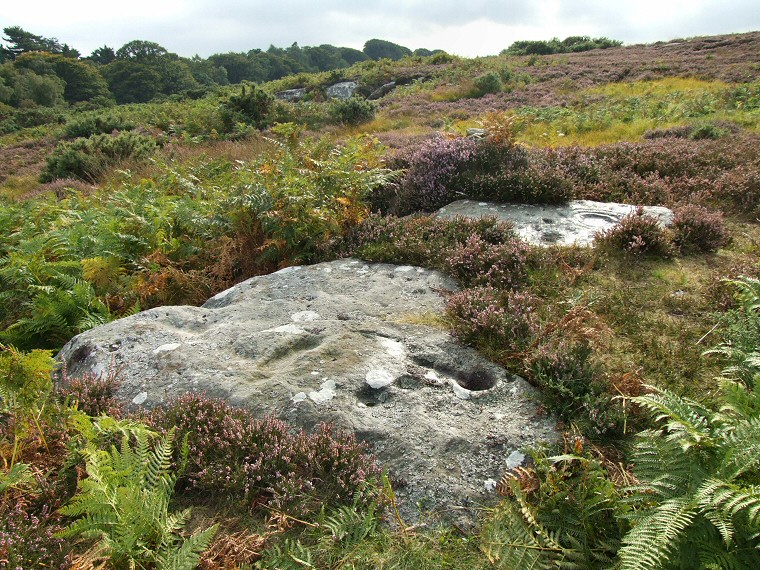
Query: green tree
x=82, y=80
x=20, y=41
x=131, y=81
x=381, y=49
x=103, y=55
x=45, y=90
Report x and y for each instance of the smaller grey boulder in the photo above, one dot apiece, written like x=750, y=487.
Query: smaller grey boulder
x=382, y=91
x=291, y=94
x=342, y=90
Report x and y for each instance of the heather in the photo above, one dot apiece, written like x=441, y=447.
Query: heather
x=644, y=347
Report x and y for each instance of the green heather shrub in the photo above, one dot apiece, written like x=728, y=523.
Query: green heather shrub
x=352, y=111
x=697, y=229
x=574, y=388
x=638, y=234
x=91, y=158
x=477, y=262
x=96, y=124
x=442, y=169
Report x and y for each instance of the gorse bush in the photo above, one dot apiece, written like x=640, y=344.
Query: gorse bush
x=352, y=111
x=252, y=106
x=89, y=159
x=89, y=125
x=489, y=82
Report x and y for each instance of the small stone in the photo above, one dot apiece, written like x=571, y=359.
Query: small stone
x=379, y=378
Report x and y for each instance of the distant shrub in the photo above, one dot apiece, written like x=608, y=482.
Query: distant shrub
x=352, y=111
x=95, y=125
x=252, y=106
x=489, y=82
x=679, y=132
x=696, y=229
x=707, y=131
x=503, y=320
x=236, y=456
x=477, y=262
x=637, y=234
x=89, y=159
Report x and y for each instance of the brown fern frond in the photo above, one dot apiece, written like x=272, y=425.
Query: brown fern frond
x=525, y=478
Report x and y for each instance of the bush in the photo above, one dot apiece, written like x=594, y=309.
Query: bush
x=573, y=387
x=253, y=106
x=236, y=456
x=696, y=229
x=479, y=263
x=95, y=125
x=352, y=111
x=501, y=320
x=487, y=83
x=89, y=159
x=637, y=234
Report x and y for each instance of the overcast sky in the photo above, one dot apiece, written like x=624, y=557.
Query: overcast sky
x=463, y=27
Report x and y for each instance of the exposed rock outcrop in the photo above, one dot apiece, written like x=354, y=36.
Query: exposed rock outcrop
x=348, y=342
x=342, y=90
x=572, y=223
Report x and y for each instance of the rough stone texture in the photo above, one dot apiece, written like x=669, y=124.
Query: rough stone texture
x=344, y=342
x=343, y=90
x=382, y=91
x=291, y=94
x=573, y=223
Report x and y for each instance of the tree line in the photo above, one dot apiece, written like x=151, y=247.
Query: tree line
x=35, y=70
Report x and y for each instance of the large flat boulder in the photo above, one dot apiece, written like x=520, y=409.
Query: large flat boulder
x=346, y=342
x=574, y=223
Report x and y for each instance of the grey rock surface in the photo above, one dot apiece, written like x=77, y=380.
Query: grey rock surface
x=291, y=94
x=382, y=91
x=342, y=90
x=573, y=223
x=345, y=342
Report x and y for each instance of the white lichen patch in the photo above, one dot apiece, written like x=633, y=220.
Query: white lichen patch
x=515, y=459
x=392, y=347
x=379, y=378
x=167, y=347
x=325, y=393
x=140, y=399
x=304, y=316
x=300, y=397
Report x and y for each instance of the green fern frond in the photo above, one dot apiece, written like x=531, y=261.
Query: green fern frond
x=654, y=540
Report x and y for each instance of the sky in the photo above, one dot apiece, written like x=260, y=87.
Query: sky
x=463, y=27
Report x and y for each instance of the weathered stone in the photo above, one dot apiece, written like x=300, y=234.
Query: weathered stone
x=572, y=223
x=476, y=133
x=382, y=91
x=291, y=94
x=343, y=90
x=345, y=342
